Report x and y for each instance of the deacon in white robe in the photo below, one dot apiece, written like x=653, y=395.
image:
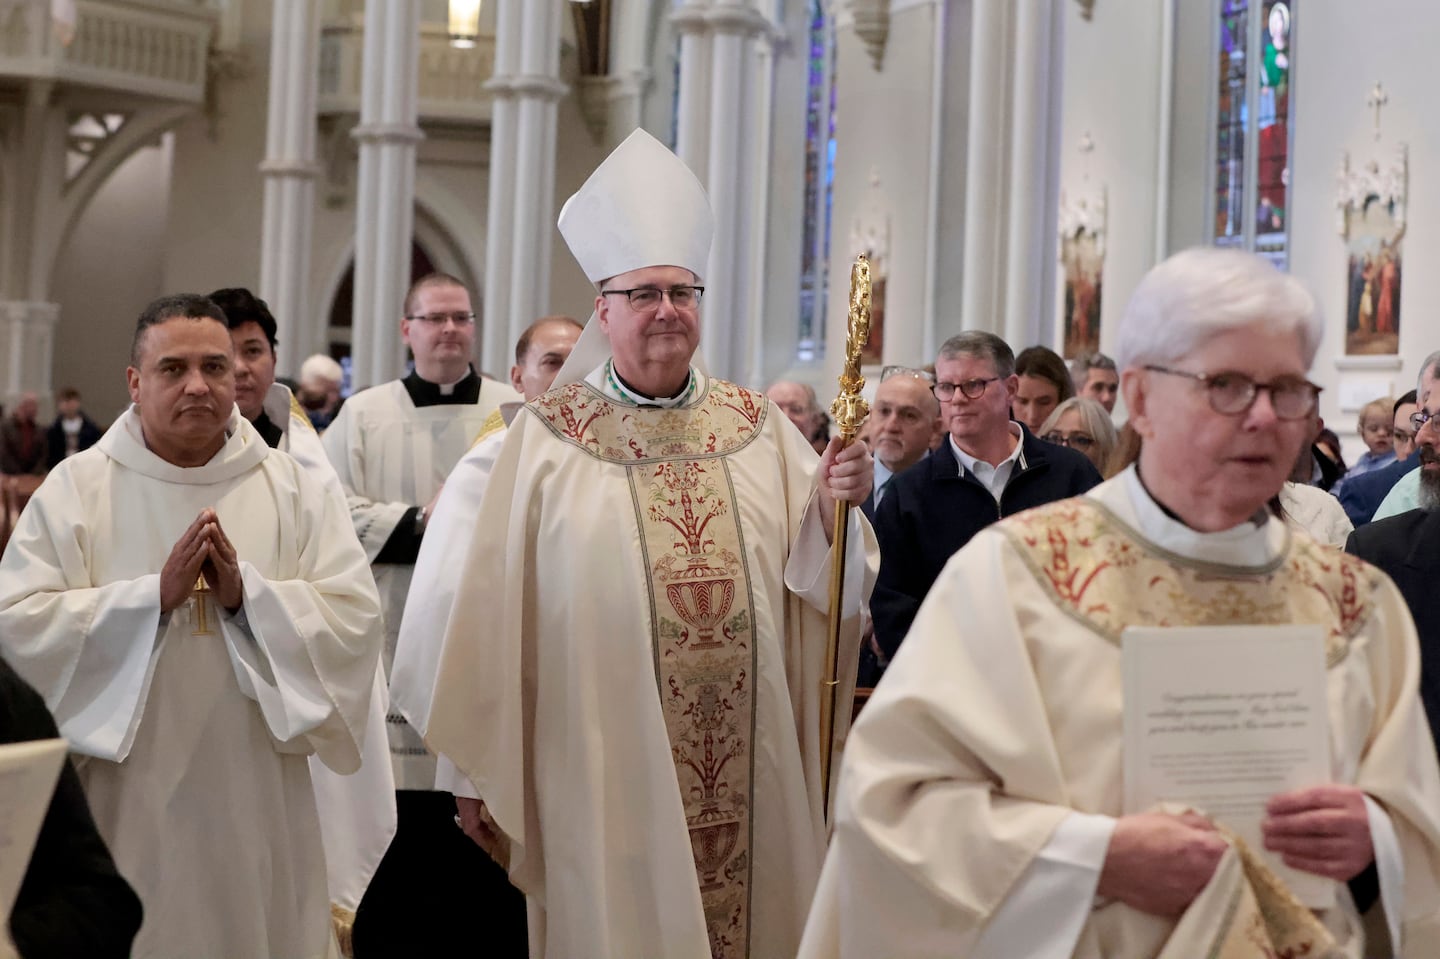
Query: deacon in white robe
x=980, y=809
x=632, y=673
x=193, y=723
x=393, y=446
x=357, y=811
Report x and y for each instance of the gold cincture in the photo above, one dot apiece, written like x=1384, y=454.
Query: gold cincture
x=849, y=410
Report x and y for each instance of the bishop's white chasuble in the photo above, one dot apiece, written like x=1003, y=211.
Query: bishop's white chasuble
x=632, y=672
x=193, y=728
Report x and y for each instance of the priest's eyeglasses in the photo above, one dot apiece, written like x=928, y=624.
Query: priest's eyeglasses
x=973, y=389
x=439, y=319
x=1232, y=394
x=646, y=299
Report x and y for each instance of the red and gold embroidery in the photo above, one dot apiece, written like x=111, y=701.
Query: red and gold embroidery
x=1100, y=572
x=726, y=419
x=702, y=615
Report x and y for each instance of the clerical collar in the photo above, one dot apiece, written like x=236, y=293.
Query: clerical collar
x=628, y=394
x=1261, y=517
x=269, y=432
x=424, y=393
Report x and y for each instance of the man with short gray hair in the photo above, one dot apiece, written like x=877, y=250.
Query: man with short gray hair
x=1095, y=376
x=988, y=467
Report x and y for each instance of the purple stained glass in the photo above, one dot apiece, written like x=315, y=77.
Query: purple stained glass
x=819, y=181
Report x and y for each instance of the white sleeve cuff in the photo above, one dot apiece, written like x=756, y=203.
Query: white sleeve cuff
x=1059, y=885
x=1390, y=866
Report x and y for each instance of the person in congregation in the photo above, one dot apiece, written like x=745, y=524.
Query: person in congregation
x=1403, y=546
x=72, y=901
x=199, y=617
x=989, y=467
x=1362, y=495
x=632, y=675
x=392, y=446
x=1042, y=383
x=73, y=429
x=1082, y=424
x=22, y=440
x=1096, y=378
x=980, y=803
x=801, y=406
x=903, y=420
x=359, y=819
x=1404, y=495
x=1376, y=427
x=539, y=354
x=319, y=393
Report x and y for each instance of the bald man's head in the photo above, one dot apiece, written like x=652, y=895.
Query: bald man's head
x=540, y=352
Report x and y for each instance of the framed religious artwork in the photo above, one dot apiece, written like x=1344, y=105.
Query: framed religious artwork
x=1082, y=257
x=1371, y=219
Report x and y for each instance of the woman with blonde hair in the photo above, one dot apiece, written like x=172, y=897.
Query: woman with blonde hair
x=1083, y=425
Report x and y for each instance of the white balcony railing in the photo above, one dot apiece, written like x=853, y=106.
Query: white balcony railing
x=451, y=83
x=155, y=48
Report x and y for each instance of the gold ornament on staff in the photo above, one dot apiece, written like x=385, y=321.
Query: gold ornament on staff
x=849, y=410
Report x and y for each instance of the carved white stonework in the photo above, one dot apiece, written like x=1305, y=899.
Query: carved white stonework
x=27, y=346
x=86, y=136
x=872, y=26
x=1389, y=183
x=157, y=49
x=1086, y=212
x=452, y=82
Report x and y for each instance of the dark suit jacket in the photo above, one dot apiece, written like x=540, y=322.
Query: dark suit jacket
x=90, y=434
x=1362, y=495
x=932, y=509
x=1407, y=548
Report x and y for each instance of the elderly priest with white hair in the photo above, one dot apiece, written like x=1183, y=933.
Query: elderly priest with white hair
x=991, y=801
x=199, y=616
x=632, y=675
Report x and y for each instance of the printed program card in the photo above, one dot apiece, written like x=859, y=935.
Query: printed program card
x=1222, y=718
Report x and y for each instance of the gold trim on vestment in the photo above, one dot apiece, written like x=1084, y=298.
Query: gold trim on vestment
x=494, y=423
x=297, y=412
x=1103, y=574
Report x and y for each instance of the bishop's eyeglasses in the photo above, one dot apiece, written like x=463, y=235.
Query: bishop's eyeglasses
x=646, y=299
x=1231, y=394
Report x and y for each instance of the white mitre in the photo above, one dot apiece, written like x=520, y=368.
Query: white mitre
x=641, y=207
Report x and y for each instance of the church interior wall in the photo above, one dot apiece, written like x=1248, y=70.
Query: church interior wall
x=955, y=140
x=882, y=177
x=1111, y=106
x=1340, y=54
x=110, y=266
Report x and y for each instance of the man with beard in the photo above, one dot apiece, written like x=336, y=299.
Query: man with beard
x=1403, y=546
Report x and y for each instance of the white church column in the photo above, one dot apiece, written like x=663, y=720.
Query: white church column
x=984, y=169
x=385, y=204
x=737, y=118
x=1030, y=257
x=527, y=88
x=289, y=171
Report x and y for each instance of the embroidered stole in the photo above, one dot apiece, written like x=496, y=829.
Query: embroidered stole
x=701, y=613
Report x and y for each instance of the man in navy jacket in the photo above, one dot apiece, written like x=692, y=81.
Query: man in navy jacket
x=988, y=467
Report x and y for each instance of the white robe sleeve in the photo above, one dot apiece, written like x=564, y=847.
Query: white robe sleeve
x=436, y=582
x=374, y=520
x=1390, y=864
x=808, y=570
x=90, y=650
x=308, y=649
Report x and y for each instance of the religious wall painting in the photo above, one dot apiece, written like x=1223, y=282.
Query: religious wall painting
x=871, y=236
x=1082, y=255
x=1371, y=204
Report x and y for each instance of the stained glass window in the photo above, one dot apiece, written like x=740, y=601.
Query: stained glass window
x=819, y=183
x=1252, y=127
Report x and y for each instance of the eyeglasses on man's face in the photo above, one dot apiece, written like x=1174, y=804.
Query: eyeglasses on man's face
x=1231, y=394
x=438, y=320
x=1419, y=418
x=647, y=299
x=971, y=389
x=1076, y=441
x=1403, y=437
